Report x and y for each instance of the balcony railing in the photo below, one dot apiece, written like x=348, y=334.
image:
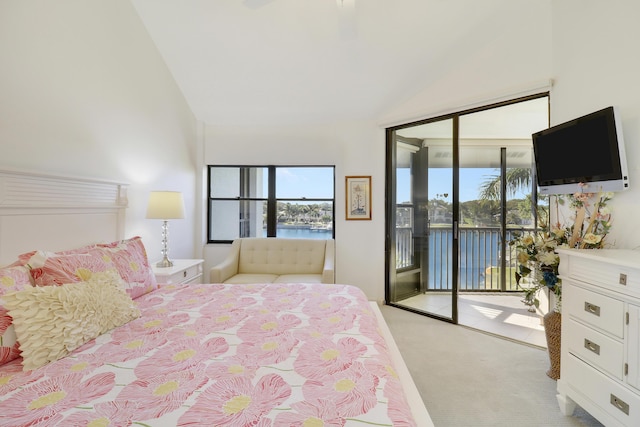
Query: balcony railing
x=480, y=263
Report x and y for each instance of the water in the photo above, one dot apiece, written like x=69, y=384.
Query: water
x=479, y=252
x=301, y=233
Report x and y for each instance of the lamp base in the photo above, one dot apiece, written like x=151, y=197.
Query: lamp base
x=164, y=263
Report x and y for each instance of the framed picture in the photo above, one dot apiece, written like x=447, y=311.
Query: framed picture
x=358, y=195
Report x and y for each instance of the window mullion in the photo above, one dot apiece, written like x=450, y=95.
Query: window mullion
x=272, y=214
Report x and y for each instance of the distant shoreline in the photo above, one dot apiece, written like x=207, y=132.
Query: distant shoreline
x=301, y=231
x=302, y=226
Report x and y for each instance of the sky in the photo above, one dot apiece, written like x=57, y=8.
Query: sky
x=440, y=183
x=315, y=182
x=309, y=182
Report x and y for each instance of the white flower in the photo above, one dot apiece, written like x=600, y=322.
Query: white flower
x=592, y=239
x=523, y=257
x=604, y=210
x=527, y=240
x=548, y=258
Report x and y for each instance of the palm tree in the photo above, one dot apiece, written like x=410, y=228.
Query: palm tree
x=314, y=211
x=517, y=179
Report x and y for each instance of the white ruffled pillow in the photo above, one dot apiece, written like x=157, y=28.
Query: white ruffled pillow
x=52, y=321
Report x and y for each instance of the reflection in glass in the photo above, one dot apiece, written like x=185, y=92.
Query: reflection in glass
x=243, y=182
x=232, y=219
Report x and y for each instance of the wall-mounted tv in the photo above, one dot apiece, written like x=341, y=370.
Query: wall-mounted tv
x=589, y=150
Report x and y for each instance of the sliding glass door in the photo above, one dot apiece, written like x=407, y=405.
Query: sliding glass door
x=457, y=188
x=424, y=221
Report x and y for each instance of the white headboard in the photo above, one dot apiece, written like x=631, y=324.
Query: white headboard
x=55, y=212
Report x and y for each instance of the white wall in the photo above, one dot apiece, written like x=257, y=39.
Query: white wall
x=515, y=61
x=354, y=149
x=84, y=92
x=479, y=70
x=596, y=64
x=508, y=66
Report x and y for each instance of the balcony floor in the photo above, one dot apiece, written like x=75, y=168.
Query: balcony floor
x=500, y=314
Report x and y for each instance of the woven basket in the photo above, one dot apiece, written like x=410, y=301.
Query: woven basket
x=552, y=322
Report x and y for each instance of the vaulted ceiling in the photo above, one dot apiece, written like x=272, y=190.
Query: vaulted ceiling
x=279, y=62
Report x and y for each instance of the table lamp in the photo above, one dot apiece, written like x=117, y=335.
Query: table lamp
x=165, y=205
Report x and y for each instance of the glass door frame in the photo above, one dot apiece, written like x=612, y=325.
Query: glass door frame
x=390, y=223
x=390, y=208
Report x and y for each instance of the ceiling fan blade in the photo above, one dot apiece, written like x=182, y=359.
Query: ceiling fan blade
x=255, y=4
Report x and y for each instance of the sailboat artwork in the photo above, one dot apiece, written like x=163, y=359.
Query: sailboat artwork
x=358, y=197
x=357, y=207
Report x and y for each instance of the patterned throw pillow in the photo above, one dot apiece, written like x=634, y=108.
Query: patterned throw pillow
x=67, y=316
x=57, y=268
x=127, y=257
x=12, y=279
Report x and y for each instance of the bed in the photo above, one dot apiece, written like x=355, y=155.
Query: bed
x=296, y=354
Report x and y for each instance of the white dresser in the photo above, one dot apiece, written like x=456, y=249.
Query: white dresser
x=600, y=362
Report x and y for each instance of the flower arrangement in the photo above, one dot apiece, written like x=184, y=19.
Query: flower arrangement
x=536, y=253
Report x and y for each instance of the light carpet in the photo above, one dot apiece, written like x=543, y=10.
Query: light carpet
x=470, y=378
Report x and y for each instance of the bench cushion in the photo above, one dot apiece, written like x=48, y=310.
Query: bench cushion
x=281, y=256
x=299, y=278
x=251, y=278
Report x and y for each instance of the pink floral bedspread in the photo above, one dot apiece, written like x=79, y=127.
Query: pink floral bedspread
x=230, y=355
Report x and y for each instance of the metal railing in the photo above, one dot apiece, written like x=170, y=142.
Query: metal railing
x=480, y=260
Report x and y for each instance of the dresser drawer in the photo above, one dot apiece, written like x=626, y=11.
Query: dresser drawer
x=182, y=271
x=193, y=275
x=618, y=278
x=595, y=309
x=187, y=275
x=601, y=351
x=615, y=399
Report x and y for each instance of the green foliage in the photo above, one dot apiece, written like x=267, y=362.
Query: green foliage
x=536, y=252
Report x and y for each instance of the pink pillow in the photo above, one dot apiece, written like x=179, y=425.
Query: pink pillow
x=57, y=268
x=128, y=257
x=12, y=279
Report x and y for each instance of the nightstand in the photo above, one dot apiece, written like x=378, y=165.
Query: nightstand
x=183, y=271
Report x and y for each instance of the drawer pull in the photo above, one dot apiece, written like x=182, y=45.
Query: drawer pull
x=620, y=404
x=591, y=346
x=184, y=274
x=623, y=279
x=592, y=308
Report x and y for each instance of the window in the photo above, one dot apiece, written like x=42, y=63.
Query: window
x=270, y=201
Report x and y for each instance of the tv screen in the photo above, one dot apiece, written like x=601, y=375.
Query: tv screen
x=586, y=150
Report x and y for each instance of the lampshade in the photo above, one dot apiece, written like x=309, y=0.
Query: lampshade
x=165, y=205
